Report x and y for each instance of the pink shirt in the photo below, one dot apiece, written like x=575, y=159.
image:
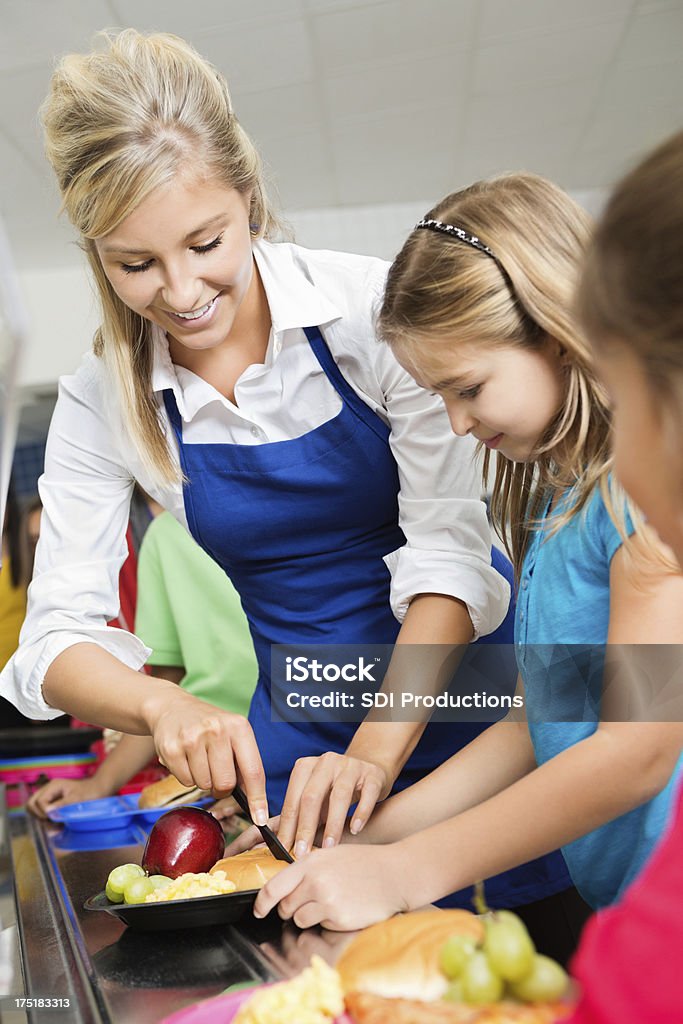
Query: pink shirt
x=630, y=959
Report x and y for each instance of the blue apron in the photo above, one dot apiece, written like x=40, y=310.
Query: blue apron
x=301, y=527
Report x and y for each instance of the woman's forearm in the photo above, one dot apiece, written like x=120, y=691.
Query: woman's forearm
x=496, y=759
x=88, y=682
x=432, y=619
x=548, y=808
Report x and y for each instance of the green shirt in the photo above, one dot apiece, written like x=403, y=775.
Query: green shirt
x=190, y=614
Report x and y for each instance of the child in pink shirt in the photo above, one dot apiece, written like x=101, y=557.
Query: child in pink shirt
x=630, y=960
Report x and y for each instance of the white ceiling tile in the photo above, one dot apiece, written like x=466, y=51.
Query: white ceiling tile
x=642, y=86
x=631, y=131
x=545, y=153
x=648, y=6
x=29, y=206
x=529, y=111
x=271, y=113
x=395, y=157
x=535, y=58
x=605, y=165
x=503, y=18
x=400, y=28
x=21, y=93
x=653, y=36
x=33, y=31
x=187, y=19
x=300, y=168
x=393, y=85
x=324, y=6
x=274, y=53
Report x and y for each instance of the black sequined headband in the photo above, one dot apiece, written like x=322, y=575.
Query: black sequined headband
x=456, y=232
x=465, y=236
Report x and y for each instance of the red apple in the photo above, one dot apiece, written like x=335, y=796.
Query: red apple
x=183, y=839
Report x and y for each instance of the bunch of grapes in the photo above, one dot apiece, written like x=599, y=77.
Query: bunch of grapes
x=128, y=883
x=504, y=964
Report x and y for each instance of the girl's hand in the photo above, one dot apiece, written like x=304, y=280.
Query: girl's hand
x=342, y=889
x=58, y=792
x=224, y=810
x=322, y=789
x=249, y=839
x=208, y=747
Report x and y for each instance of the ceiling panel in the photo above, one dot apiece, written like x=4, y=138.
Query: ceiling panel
x=505, y=18
x=33, y=28
x=548, y=55
x=384, y=155
x=371, y=33
x=653, y=36
x=375, y=101
x=394, y=85
x=264, y=54
x=184, y=19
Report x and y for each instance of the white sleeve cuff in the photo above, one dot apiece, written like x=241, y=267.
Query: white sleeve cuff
x=416, y=571
x=21, y=680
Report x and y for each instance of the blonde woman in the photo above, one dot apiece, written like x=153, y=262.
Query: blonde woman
x=240, y=382
x=478, y=307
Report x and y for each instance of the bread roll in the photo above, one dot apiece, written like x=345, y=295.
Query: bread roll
x=251, y=869
x=364, y=1008
x=399, y=958
x=159, y=793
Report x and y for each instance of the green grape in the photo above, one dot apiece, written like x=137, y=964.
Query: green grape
x=506, y=916
x=454, y=993
x=160, y=881
x=547, y=981
x=480, y=983
x=455, y=953
x=509, y=949
x=112, y=895
x=120, y=876
x=137, y=890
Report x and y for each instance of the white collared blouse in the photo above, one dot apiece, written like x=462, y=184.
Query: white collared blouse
x=91, y=463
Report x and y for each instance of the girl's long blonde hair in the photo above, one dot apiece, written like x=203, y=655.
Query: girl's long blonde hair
x=119, y=122
x=442, y=291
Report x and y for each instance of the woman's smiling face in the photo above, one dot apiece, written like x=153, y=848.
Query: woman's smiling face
x=504, y=395
x=183, y=259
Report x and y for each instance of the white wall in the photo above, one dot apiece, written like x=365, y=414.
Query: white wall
x=63, y=317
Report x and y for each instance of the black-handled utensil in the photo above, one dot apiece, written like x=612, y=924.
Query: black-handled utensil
x=269, y=838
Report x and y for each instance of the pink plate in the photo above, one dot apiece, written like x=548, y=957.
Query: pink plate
x=221, y=1010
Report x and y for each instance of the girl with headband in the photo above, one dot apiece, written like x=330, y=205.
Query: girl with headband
x=478, y=307
x=240, y=382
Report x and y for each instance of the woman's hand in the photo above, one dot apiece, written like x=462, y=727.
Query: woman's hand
x=58, y=792
x=342, y=889
x=323, y=789
x=207, y=747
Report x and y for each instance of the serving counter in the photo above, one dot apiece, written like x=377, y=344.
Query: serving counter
x=110, y=973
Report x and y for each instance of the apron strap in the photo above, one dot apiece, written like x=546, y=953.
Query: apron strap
x=342, y=386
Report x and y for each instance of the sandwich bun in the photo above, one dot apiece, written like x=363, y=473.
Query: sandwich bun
x=399, y=958
x=364, y=1008
x=159, y=793
x=251, y=869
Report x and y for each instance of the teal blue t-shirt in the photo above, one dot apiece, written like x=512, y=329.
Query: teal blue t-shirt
x=561, y=625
